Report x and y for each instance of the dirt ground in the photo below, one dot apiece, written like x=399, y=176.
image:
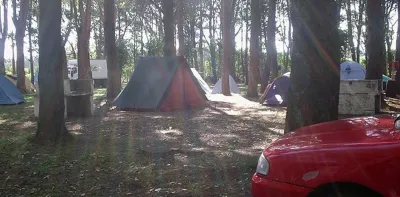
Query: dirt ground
x=200, y=152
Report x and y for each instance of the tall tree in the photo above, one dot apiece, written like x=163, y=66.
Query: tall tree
x=246, y=50
x=211, y=29
x=350, y=29
x=168, y=21
x=83, y=29
x=397, y=55
x=20, y=20
x=359, y=25
x=4, y=34
x=272, y=59
x=314, y=90
x=226, y=10
x=201, y=51
x=30, y=32
x=376, y=39
x=51, y=124
x=181, y=36
x=12, y=37
x=388, y=33
x=254, y=47
x=114, y=74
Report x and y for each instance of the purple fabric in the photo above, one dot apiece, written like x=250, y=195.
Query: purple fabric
x=279, y=89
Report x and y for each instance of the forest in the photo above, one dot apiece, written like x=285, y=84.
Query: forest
x=121, y=153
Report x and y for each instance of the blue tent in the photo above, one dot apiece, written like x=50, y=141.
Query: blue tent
x=277, y=92
x=9, y=94
x=352, y=71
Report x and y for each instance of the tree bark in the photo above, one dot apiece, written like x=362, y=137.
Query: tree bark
x=350, y=30
x=181, y=37
x=246, y=51
x=201, y=51
x=30, y=46
x=397, y=55
x=168, y=21
x=51, y=124
x=212, y=42
x=83, y=39
x=14, y=71
x=113, y=75
x=254, y=48
x=359, y=25
x=232, y=66
x=272, y=59
x=20, y=27
x=227, y=42
x=267, y=69
x=4, y=32
x=289, y=50
x=314, y=89
x=376, y=39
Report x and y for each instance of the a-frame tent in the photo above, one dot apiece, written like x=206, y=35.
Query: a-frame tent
x=161, y=84
x=232, y=84
x=201, y=81
x=9, y=93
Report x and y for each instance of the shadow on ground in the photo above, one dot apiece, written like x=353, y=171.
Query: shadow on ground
x=207, y=152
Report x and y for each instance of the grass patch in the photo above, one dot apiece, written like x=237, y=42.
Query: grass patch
x=99, y=93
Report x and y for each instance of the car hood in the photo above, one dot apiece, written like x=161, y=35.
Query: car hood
x=346, y=132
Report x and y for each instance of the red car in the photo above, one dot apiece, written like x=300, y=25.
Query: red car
x=356, y=157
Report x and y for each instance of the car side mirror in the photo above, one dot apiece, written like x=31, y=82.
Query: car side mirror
x=397, y=123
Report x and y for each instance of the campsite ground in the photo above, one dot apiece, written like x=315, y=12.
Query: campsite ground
x=205, y=152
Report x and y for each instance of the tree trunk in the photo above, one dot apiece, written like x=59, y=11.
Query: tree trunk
x=13, y=56
x=168, y=21
x=376, y=39
x=271, y=31
x=20, y=27
x=201, y=51
x=272, y=59
x=19, y=39
x=51, y=124
x=267, y=70
x=350, y=30
x=254, y=48
x=181, y=37
x=246, y=51
x=194, y=43
x=361, y=6
x=314, y=90
x=113, y=75
x=212, y=42
x=30, y=47
x=227, y=42
x=397, y=56
x=289, y=50
x=388, y=47
x=232, y=66
x=4, y=32
x=83, y=40
x=73, y=51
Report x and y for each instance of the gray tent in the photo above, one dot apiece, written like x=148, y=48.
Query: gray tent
x=161, y=83
x=201, y=81
x=232, y=84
